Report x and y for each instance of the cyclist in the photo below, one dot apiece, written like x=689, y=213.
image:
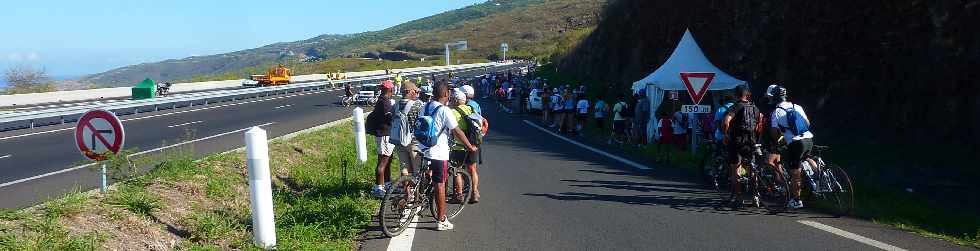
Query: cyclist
x=349, y=92
x=791, y=120
x=437, y=156
x=741, y=127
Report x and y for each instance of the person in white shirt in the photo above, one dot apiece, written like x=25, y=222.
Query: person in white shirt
x=583, y=112
x=437, y=156
x=799, y=142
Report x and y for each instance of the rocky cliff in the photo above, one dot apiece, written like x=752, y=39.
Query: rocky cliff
x=885, y=71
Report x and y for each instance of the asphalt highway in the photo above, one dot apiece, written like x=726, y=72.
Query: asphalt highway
x=541, y=192
x=42, y=163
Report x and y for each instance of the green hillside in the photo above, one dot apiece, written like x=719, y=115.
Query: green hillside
x=531, y=27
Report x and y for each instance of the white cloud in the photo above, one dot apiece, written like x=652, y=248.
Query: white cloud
x=14, y=56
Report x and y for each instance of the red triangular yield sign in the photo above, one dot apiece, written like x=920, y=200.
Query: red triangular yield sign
x=697, y=84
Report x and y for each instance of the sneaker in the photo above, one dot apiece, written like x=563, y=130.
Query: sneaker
x=444, y=225
x=378, y=191
x=795, y=204
x=756, y=202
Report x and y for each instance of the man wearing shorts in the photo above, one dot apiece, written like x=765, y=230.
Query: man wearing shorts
x=382, y=127
x=437, y=156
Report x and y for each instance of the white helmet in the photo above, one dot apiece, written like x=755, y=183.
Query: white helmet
x=468, y=90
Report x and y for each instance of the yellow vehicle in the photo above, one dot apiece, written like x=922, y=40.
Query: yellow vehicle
x=276, y=76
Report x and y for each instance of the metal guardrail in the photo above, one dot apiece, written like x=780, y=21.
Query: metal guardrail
x=68, y=114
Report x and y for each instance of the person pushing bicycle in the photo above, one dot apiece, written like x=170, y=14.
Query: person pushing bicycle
x=790, y=120
x=741, y=126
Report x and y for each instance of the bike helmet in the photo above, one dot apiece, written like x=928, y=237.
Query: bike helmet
x=776, y=91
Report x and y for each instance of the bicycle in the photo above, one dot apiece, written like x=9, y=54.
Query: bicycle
x=714, y=170
x=409, y=195
x=346, y=101
x=827, y=181
x=771, y=186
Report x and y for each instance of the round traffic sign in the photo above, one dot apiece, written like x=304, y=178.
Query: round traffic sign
x=97, y=133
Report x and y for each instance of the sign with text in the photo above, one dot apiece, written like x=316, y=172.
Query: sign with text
x=696, y=109
x=697, y=84
x=97, y=133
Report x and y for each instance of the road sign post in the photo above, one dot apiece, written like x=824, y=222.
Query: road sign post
x=697, y=84
x=503, y=48
x=98, y=133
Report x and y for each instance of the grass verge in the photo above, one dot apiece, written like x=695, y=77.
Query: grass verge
x=203, y=204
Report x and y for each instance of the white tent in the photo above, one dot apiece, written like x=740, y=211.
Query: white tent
x=687, y=57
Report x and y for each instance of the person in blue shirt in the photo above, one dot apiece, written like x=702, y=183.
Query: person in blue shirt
x=468, y=90
x=727, y=102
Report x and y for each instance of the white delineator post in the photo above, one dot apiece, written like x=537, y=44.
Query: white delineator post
x=104, y=184
x=260, y=185
x=359, y=137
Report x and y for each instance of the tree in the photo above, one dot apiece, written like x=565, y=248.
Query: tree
x=27, y=79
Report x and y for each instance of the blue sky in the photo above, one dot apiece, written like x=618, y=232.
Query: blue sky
x=69, y=37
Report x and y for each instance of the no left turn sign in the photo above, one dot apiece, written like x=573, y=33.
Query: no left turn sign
x=97, y=133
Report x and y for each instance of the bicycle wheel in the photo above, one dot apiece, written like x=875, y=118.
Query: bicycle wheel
x=455, y=202
x=841, y=191
x=774, y=188
x=397, y=211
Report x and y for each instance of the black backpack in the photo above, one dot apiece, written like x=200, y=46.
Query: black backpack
x=627, y=110
x=744, y=122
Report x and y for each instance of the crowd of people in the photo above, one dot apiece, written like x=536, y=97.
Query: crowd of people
x=450, y=113
x=736, y=126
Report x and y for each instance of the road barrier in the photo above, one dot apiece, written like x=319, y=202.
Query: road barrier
x=30, y=119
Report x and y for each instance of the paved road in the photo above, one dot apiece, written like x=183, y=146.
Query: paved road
x=30, y=160
x=543, y=193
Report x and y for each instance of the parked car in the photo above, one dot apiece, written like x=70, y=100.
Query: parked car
x=368, y=94
x=534, y=100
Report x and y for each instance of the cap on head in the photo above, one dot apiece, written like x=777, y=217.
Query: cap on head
x=427, y=90
x=468, y=90
x=459, y=95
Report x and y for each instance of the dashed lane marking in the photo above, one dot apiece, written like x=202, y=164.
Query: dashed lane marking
x=852, y=236
x=593, y=149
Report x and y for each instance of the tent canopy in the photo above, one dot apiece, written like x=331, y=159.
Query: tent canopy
x=687, y=57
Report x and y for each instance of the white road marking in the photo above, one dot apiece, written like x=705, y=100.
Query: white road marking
x=604, y=153
x=131, y=155
x=5, y=156
x=852, y=236
x=404, y=240
x=282, y=106
x=36, y=133
x=184, y=124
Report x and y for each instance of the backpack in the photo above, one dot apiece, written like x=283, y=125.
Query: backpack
x=626, y=112
x=797, y=125
x=370, y=124
x=746, y=120
x=401, y=134
x=475, y=125
x=426, y=132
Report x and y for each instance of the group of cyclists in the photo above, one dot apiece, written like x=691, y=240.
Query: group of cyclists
x=782, y=127
x=432, y=125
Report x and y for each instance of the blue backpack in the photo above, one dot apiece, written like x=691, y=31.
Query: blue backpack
x=426, y=132
x=797, y=125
